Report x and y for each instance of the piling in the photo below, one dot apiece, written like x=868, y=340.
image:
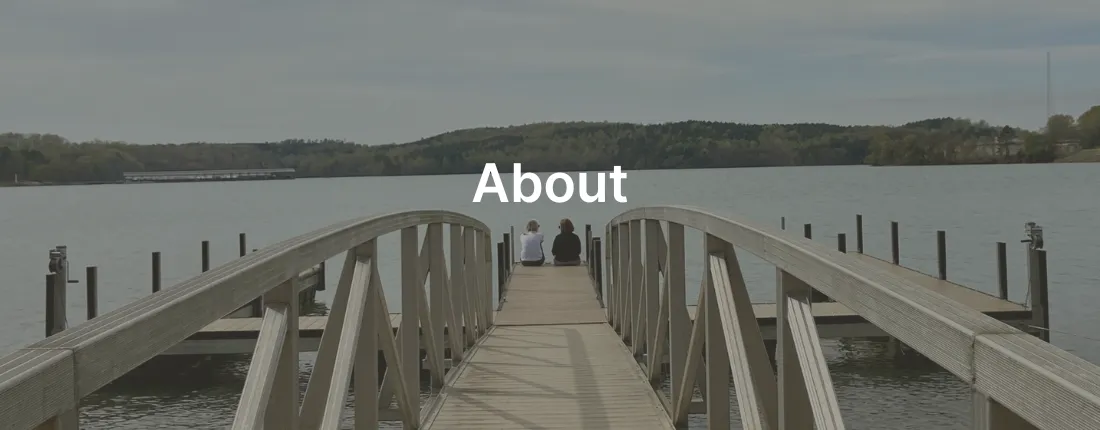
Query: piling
x=894, y=252
x=256, y=306
x=1002, y=270
x=501, y=274
x=815, y=295
x=321, y=278
x=841, y=242
x=508, y=252
x=156, y=272
x=598, y=267
x=587, y=242
x=205, y=255
x=91, y=282
x=941, y=253
x=1040, y=307
x=859, y=233
x=1042, y=300
x=55, y=306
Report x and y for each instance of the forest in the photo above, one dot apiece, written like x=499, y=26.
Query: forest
x=563, y=146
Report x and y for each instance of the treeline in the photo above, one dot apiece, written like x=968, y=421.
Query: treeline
x=564, y=146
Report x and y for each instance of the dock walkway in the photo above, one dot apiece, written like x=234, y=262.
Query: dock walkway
x=550, y=362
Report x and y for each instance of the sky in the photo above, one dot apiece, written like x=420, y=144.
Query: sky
x=381, y=71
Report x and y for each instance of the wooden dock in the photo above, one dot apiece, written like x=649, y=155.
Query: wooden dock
x=530, y=290
x=550, y=362
x=564, y=347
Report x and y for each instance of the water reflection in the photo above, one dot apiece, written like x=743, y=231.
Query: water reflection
x=170, y=392
x=876, y=390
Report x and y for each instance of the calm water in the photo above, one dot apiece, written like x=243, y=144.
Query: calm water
x=116, y=227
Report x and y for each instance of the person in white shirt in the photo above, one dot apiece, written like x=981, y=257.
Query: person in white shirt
x=531, y=246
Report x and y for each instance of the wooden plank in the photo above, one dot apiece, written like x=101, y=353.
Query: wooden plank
x=551, y=377
x=947, y=332
x=973, y=298
x=27, y=402
x=116, y=342
x=557, y=295
x=827, y=313
x=550, y=295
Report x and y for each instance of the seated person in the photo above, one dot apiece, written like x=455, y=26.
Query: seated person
x=567, y=246
x=530, y=253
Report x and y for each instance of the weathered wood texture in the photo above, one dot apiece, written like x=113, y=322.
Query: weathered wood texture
x=1036, y=381
x=46, y=379
x=550, y=295
x=551, y=362
x=568, y=289
x=968, y=296
x=551, y=377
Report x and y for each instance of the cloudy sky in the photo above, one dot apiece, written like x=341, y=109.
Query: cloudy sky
x=379, y=71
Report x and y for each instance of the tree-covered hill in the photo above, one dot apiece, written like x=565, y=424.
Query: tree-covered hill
x=554, y=146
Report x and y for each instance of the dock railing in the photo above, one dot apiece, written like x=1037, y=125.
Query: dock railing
x=41, y=385
x=1018, y=381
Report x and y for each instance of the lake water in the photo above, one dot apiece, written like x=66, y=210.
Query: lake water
x=116, y=227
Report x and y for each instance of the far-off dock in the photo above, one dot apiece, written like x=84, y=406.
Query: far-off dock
x=209, y=175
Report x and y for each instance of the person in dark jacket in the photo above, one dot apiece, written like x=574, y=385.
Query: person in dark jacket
x=567, y=246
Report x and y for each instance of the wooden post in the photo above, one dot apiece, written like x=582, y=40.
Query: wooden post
x=256, y=306
x=783, y=222
x=941, y=253
x=92, y=295
x=815, y=296
x=597, y=270
x=508, y=252
x=859, y=233
x=511, y=247
x=57, y=292
x=894, y=252
x=1041, y=308
x=205, y=255
x=501, y=275
x=587, y=242
x=321, y=278
x=1002, y=270
x=841, y=242
x=156, y=271
x=589, y=264
x=55, y=307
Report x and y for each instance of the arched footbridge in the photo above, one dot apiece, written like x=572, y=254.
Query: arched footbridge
x=582, y=347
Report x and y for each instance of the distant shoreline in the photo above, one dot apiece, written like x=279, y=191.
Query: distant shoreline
x=546, y=147
x=54, y=184
x=122, y=182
